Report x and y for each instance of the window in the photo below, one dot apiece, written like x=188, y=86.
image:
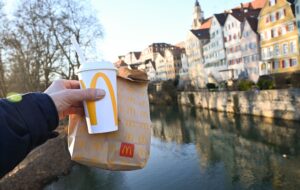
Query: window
x=272, y=33
x=269, y=52
x=285, y=63
x=272, y=2
x=281, y=13
x=277, y=15
x=276, y=64
x=276, y=49
x=293, y=47
x=267, y=19
x=290, y=27
x=273, y=18
x=293, y=62
x=279, y=31
x=297, y=9
x=285, y=49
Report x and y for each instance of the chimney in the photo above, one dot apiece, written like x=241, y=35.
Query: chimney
x=242, y=7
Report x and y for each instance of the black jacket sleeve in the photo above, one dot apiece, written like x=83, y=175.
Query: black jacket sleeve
x=23, y=126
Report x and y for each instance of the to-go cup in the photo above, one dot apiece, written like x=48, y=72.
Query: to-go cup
x=101, y=116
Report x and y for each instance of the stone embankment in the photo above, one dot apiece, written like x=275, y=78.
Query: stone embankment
x=283, y=104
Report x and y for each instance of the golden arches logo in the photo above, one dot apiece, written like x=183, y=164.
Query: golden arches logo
x=127, y=150
x=91, y=105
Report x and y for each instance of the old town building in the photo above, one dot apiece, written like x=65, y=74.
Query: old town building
x=279, y=37
x=214, y=51
x=250, y=47
x=232, y=35
x=297, y=12
x=196, y=39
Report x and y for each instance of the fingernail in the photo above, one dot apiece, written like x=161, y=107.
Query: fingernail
x=100, y=93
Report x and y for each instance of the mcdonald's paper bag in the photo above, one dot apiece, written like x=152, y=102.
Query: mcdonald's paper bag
x=126, y=149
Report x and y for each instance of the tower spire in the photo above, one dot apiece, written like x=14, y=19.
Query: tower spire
x=198, y=16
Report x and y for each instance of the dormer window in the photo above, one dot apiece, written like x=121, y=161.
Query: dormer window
x=272, y=2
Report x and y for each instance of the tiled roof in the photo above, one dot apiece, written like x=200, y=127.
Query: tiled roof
x=201, y=33
x=151, y=62
x=137, y=54
x=253, y=22
x=240, y=14
x=255, y=4
x=221, y=18
x=258, y=4
x=206, y=24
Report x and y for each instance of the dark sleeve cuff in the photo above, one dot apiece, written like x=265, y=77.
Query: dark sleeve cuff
x=40, y=115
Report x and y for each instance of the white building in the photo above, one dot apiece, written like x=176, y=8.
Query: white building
x=214, y=51
x=196, y=39
x=251, y=48
x=133, y=59
x=232, y=35
x=161, y=73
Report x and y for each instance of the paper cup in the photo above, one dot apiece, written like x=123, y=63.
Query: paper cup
x=101, y=116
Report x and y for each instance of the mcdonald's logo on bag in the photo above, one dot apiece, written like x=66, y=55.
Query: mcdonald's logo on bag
x=127, y=150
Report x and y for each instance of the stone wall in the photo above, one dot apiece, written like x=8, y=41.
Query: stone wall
x=283, y=104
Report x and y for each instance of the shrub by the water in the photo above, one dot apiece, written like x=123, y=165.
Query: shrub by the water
x=245, y=85
x=266, y=83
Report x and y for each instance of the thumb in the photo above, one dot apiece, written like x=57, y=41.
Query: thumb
x=86, y=94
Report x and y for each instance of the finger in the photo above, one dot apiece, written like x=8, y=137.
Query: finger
x=72, y=84
x=77, y=95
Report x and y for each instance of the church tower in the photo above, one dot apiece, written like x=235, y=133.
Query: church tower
x=198, y=16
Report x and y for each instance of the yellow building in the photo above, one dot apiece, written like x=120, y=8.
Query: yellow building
x=279, y=37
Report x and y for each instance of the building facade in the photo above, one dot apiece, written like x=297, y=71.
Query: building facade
x=161, y=69
x=214, y=52
x=297, y=12
x=194, y=50
x=279, y=37
x=232, y=36
x=250, y=47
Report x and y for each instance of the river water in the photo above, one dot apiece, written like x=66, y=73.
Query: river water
x=200, y=149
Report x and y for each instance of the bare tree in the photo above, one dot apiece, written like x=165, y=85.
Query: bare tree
x=78, y=19
x=38, y=42
x=3, y=85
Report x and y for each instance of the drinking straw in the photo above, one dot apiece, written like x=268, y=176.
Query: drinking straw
x=77, y=49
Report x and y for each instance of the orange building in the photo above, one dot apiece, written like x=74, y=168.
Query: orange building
x=279, y=37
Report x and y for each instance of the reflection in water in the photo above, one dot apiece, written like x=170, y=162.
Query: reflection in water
x=251, y=148
x=194, y=148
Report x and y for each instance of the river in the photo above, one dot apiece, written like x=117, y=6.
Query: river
x=200, y=149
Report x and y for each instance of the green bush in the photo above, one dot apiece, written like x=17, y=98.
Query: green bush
x=245, y=85
x=265, y=83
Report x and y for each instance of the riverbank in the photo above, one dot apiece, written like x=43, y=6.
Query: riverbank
x=282, y=104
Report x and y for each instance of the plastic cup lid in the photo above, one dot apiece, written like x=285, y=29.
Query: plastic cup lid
x=96, y=65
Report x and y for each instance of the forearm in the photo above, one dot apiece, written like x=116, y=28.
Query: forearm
x=23, y=126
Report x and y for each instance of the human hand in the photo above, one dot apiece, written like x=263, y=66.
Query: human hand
x=68, y=97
